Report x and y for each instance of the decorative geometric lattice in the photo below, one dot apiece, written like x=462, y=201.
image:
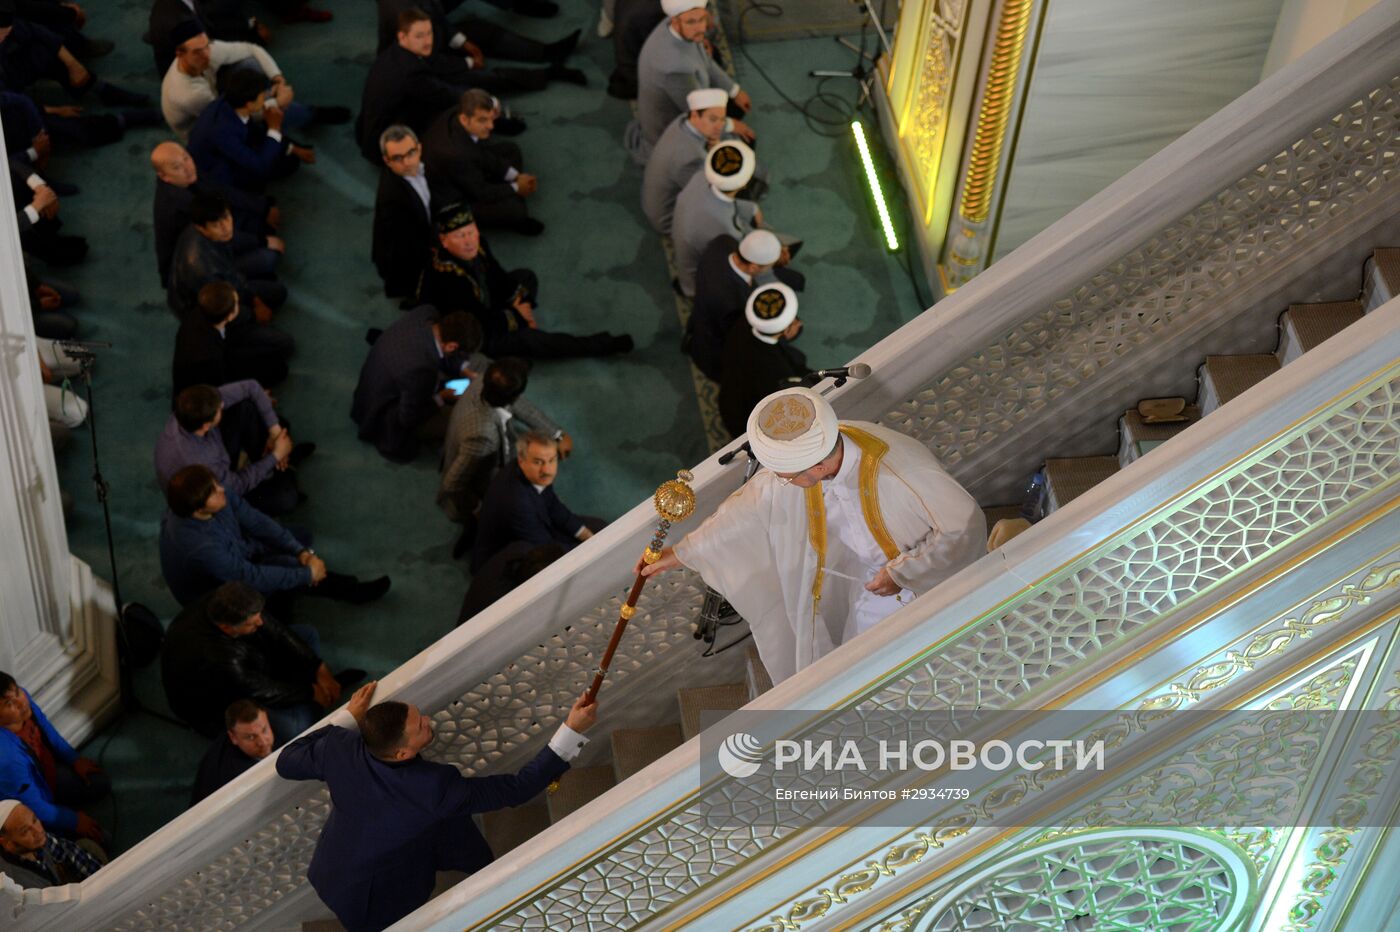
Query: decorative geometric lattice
x=1119, y=881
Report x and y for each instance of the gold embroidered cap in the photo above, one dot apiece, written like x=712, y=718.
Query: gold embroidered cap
x=729, y=165
x=771, y=308
x=792, y=430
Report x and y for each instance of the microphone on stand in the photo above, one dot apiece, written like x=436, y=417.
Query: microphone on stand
x=857, y=370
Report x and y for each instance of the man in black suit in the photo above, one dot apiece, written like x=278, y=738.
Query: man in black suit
x=472, y=39
x=463, y=275
x=217, y=344
x=521, y=504
x=247, y=738
x=403, y=212
x=204, y=253
x=399, y=400
x=470, y=167
x=409, y=83
x=222, y=19
x=256, y=253
x=727, y=274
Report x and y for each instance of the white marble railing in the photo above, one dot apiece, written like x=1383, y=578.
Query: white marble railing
x=983, y=378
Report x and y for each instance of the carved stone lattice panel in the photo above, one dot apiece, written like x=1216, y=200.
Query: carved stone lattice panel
x=243, y=882
x=1338, y=457
x=1243, y=235
x=1108, y=881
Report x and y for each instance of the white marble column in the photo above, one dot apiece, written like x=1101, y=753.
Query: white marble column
x=56, y=620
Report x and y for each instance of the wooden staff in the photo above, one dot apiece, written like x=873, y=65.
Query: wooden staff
x=674, y=501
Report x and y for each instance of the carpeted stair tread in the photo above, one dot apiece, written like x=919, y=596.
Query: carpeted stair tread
x=508, y=828
x=1388, y=267
x=996, y=513
x=1224, y=378
x=1067, y=479
x=635, y=749
x=1133, y=432
x=1305, y=326
x=759, y=682
x=700, y=699
x=579, y=787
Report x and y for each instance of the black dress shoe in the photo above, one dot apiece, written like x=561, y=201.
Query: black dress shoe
x=349, y=679
x=300, y=453
x=328, y=116
x=509, y=126
x=368, y=591
x=373, y=334
x=556, y=52
x=465, y=540
x=544, y=9
x=571, y=75
x=529, y=227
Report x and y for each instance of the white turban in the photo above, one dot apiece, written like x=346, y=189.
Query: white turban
x=6, y=807
x=760, y=247
x=677, y=7
x=729, y=165
x=771, y=308
x=792, y=430
x=707, y=97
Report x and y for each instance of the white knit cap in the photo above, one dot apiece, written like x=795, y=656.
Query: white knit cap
x=792, y=430
x=677, y=7
x=771, y=308
x=761, y=248
x=707, y=97
x=729, y=165
x=6, y=807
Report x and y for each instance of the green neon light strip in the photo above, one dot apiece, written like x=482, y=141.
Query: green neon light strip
x=891, y=240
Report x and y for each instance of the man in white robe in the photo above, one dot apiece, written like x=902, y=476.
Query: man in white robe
x=846, y=523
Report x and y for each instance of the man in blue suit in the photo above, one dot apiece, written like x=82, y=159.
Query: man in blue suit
x=233, y=150
x=397, y=819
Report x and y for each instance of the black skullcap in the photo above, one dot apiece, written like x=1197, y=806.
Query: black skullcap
x=183, y=31
x=7, y=13
x=454, y=217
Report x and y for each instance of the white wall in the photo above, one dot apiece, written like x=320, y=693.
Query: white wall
x=1304, y=23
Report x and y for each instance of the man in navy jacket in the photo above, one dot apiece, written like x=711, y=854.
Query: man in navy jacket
x=231, y=150
x=397, y=819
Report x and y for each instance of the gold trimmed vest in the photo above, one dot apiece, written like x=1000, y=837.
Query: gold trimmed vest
x=872, y=450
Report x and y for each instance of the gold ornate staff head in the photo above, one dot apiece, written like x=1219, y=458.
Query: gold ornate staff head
x=674, y=501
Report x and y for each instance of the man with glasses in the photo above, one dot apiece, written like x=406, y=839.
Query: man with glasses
x=846, y=523
x=403, y=213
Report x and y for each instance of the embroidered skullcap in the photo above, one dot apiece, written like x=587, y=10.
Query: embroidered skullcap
x=729, y=165
x=454, y=217
x=185, y=30
x=792, y=430
x=760, y=247
x=6, y=807
x=771, y=308
x=706, y=97
x=677, y=7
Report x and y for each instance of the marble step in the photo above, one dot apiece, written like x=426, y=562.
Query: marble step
x=696, y=700
x=759, y=682
x=577, y=788
x=1382, y=278
x=1223, y=378
x=634, y=749
x=1067, y=479
x=1136, y=436
x=1304, y=326
x=507, y=828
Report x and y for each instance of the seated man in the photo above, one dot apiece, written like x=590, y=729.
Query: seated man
x=399, y=400
x=231, y=149
x=35, y=858
x=255, y=252
x=39, y=224
x=521, y=505
x=710, y=205
x=246, y=739
x=503, y=572
x=218, y=343
x=41, y=770
x=463, y=275
x=673, y=62
x=403, y=213
x=204, y=253
x=210, y=536
x=397, y=819
x=227, y=646
x=680, y=153
x=190, y=84
x=726, y=276
x=759, y=357
x=469, y=167
x=216, y=427
x=479, y=439
x=223, y=19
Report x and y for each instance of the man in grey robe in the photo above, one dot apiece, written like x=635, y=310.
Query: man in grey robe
x=709, y=206
x=680, y=153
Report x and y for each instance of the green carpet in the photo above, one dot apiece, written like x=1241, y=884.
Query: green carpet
x=635, y=419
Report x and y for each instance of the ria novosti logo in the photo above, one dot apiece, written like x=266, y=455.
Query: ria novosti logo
x=740, y=755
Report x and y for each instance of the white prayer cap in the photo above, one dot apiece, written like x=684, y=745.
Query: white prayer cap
x=6, y=807
x=677, y=7
x=792, y=430
x=707, y=97
x=771, y=308
x=729, y=165
x=761, y=248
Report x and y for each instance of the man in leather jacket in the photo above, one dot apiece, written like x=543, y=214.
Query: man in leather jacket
x=224, y=647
